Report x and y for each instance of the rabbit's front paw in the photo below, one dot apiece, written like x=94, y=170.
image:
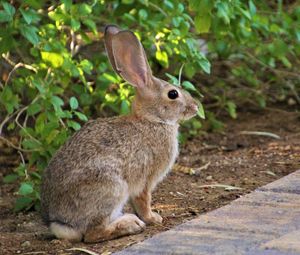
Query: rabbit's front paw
x=153, y=218
x=131, y=224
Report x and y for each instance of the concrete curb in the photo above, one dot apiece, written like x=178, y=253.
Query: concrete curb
x=264, y=222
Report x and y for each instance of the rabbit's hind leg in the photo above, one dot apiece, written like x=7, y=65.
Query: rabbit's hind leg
x=127, y=224
x=62, y=231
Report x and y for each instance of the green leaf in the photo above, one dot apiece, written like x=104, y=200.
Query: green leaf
x=194, y=5
x=73, y=103
x=110, y=77
x=30, y=16
x=39, y=85
x=189, y=86
x=86, y=66
x=67, y=3
x=10, y=178
x=21, y=170
x=286, y=62
x=231, y=108
x=205, y=65
x=162, y=58
x=11, y=126
x=73, y=124
x=54, y=59
x=34, y=109
x=35, y=175
x=9, y=10
x=201, y=112
x=31, y=144
x=246, y=13
x=30, y=33
x=125, y=107
x=223, y=11
x=252, y=7
x=84, y=9
x=81, y=116
x=25, y=189
x=127, y=1
x=176, y=21
x=64, y=114
x=52, y=136
x=4, y=17
x=143, y=14
x=203, y=23
x=173, y=79
x=169, y=4
x=75, y=24
x=23, y=203
x=90, y=24
x=57, y=102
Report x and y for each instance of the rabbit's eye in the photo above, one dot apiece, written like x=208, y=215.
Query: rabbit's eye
x=173, y=94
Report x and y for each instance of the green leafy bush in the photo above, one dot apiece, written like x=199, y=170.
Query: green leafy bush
x=54, y=73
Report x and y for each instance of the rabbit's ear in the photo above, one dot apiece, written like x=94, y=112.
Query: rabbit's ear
x=130, y=59
x=110, y=31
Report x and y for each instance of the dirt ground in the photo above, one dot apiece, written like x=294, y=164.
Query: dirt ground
x=242, y=162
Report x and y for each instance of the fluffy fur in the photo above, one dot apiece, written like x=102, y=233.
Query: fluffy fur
x=109, y=161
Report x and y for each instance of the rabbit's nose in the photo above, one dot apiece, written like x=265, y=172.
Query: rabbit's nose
x=194, y=107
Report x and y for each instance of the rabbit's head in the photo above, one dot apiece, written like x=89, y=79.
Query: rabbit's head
x=156, y=100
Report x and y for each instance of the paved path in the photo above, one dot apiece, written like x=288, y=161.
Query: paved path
x=264, y=222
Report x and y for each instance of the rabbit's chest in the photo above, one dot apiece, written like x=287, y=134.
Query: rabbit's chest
x=165, y=160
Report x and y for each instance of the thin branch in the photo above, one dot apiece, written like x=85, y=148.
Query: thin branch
x=16, y=66
x=73, y=43
x=180, y=74
x=6, y=120
x=158, y=8
x=62, y=123
x=20, y=126
x=9, y=143
x=276, y=71
x=18, y=123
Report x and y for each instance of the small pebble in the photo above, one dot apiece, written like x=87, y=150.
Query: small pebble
x=209, y=178
x=26, y=244
x=292, y=101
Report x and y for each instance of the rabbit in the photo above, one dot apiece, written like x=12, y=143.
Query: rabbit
x=111, y=161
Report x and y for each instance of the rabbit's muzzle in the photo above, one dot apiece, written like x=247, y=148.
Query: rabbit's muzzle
x=190, y=111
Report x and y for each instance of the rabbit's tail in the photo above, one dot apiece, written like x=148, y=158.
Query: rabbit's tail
x=62, y=231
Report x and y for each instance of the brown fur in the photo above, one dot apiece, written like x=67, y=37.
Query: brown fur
x=109, y=161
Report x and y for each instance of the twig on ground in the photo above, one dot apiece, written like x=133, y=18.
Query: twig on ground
x=189, y=170
x=34, y=252
x=282, y=110
x=83, y=250
x=259, y=133
x=204, y=167
x=224, y=186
